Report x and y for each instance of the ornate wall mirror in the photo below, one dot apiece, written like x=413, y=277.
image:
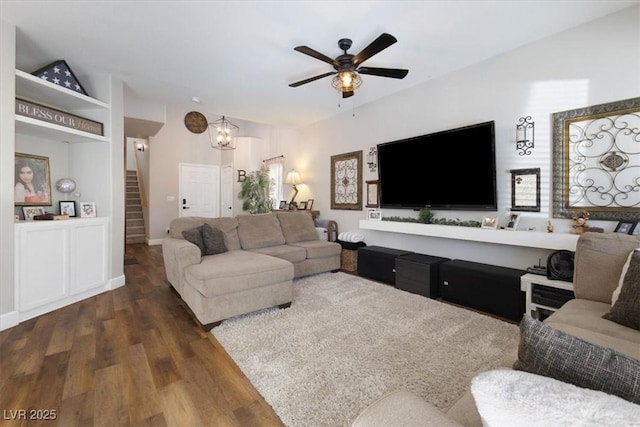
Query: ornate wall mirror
x=525, y=190
x=596, y=161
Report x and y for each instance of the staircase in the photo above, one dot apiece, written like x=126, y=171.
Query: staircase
x=134, y=221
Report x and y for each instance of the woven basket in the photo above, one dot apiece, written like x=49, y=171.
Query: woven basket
x=349, y=260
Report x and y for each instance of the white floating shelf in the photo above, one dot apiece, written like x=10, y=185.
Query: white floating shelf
x=531, y=239
x=35, y=89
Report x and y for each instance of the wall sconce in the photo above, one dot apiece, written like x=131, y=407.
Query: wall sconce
x=372, y=159
x=140, y=146
x=223, y=134
x=524, y=136
x=294, y=179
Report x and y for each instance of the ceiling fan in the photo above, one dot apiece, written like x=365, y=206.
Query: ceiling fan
x=347, y=66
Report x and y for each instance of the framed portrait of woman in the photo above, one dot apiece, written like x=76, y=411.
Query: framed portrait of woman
x=32, y=180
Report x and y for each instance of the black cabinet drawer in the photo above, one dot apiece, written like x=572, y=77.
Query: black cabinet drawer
x=378, y=263
x=488, y=288
x=419, y=274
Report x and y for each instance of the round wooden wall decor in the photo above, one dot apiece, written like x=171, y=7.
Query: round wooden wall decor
x=195, y=122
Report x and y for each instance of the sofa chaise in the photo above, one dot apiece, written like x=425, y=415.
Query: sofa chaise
x=252, y=265
x=578, y=325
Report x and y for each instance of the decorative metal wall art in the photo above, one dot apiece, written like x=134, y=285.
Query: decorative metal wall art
x=346, y=181
x=596, y=161
x=525, y=135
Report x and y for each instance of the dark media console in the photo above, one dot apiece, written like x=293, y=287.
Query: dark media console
x=488, y=288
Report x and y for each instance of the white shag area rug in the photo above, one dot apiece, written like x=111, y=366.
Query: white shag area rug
x=346, y=341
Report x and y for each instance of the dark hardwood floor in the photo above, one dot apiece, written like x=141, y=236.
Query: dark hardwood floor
x=128, y=357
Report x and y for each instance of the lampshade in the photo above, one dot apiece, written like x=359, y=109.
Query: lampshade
x=293, y=178
x=223, y=134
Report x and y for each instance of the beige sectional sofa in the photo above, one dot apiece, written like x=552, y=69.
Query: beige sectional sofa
x=599, y=262
x=264, y=253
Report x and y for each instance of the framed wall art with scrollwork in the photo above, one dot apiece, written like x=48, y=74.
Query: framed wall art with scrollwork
x=596, y=161
x=346, y=181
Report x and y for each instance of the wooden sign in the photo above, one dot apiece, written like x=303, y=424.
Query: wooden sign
x=50, y=115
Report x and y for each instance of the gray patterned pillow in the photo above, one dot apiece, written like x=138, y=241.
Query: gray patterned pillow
x=213, y=240
x=194, y=235
x=626, y=310
x=547, y=351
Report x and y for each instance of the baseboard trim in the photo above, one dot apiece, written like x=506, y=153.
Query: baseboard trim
x=153, y=242
x=117, y=282
x=9, y=320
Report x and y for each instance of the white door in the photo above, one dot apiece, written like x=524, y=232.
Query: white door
x=199, y=190
x=226, y=190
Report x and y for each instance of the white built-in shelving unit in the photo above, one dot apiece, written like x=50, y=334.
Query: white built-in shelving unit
x=60, y=262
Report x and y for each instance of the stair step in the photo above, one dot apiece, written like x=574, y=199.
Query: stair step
x=136, y=239
x=133, y=215
x=134, y=222
x=132, y=231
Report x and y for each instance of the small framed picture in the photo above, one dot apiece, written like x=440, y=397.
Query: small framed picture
x=625, y=227
x=283, y=204
x=374, y=214
x=489, y=222
x=67, y=208
x=372, y=194
x=310, y=204
x=302, y=206
x=31, y=211
x=512, y=223
x=87, y=210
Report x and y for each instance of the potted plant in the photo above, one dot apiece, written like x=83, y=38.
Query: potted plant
x=255, y=191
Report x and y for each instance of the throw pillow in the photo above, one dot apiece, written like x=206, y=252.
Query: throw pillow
x=213, y=240
x=626, y=309
x=503, y=396
x=547, y=351
x=625, y=267
x=194, y=235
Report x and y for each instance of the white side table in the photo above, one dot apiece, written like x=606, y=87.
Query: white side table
x=527, y=283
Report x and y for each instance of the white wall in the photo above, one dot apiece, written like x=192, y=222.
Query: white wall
x=7, y=149
x=595, y=63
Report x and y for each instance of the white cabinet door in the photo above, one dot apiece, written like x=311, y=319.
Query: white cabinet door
x=42, y=264
x=88, y=255
x=58, y=263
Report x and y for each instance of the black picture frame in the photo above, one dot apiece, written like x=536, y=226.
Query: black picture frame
x=373, y=200
x=625, y=227
x=283, y=204
x=67, y=208
x=525, y=190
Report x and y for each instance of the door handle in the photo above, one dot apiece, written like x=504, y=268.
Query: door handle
x=185, y=207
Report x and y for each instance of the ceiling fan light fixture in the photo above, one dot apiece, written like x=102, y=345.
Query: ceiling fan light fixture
x=346, y=81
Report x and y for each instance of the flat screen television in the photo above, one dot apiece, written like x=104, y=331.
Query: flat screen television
x=449, y=170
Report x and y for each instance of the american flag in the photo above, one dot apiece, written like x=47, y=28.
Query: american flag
x=59, y=73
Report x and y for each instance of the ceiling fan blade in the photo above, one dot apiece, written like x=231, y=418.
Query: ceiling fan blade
x=311, y=79
x=314, y=53
x=347, y=94
x=394, y=73
x=381, y=43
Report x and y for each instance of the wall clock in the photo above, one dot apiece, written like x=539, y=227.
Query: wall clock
x=195, y=122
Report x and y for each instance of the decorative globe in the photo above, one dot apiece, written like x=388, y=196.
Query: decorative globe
x=65, y=185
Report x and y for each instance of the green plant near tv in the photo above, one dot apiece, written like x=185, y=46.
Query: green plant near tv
x=255, y=191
